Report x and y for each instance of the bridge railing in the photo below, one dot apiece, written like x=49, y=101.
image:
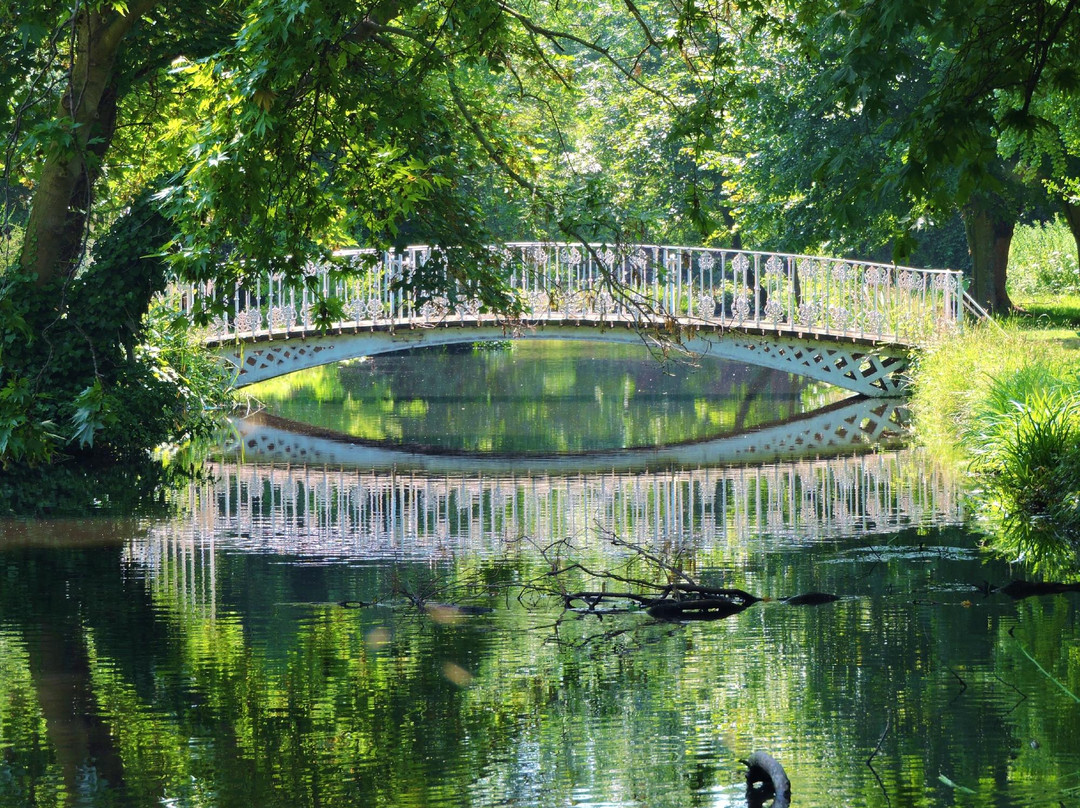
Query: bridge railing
x=642, y=284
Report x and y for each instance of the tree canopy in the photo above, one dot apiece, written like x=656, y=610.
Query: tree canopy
x=268, y=133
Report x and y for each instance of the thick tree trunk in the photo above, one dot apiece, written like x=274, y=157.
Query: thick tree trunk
x=989, y=234
x=1072, y=218
x=62, y=199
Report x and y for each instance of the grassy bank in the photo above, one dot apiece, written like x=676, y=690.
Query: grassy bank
x=1003, y=399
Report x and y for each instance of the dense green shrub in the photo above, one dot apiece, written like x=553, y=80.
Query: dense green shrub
x=1024, y=441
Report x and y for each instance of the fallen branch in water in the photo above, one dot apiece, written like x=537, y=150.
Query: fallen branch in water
x=870, y=760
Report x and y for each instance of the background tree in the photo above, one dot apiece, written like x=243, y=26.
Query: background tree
x=972, y=74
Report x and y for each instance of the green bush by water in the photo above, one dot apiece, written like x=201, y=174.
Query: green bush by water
x=1043, y=258
x=1025, y=443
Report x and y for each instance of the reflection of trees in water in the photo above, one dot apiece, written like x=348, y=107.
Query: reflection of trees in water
x=224, y=676
x=547, y=396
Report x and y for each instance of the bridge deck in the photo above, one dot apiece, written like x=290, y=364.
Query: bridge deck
x=673, y=327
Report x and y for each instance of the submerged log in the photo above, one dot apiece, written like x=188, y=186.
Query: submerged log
x=354, y=604
x=1027, y=589
x=766, y=780
x=697, y=609
x=737, y=595
x=810, y=599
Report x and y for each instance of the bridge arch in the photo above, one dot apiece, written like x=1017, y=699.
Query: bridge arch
x=863, y=367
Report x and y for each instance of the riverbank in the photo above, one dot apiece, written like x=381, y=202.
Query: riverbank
x=1003, y=400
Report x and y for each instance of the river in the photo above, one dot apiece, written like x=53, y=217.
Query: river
x=365, y=603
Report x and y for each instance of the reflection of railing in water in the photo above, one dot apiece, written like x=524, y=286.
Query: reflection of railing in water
x=323, y=513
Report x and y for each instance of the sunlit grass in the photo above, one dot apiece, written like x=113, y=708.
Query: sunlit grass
x=1050, y=315
x=1006, y=402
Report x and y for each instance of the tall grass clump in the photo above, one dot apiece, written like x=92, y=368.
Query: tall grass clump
x=1043, y=258
x=1025, y=446
x=1009, y=407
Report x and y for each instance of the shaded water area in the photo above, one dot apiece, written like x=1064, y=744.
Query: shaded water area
x=384, y=628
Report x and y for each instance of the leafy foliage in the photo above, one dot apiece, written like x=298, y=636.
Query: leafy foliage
x=74, y=378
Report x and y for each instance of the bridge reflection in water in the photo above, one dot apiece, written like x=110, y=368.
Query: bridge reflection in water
x=411, y=513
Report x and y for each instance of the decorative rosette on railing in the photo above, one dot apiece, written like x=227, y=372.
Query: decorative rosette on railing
x=248, y=320
x=468, y=308
x=282, y=317
x=740, y=308
x=537, y=256
x=909, y=281
x=840, y=317
x=577, y=303
x=807, y=313
x=808, y=269
x=876, y=321
x=740, y=263
x=537, y=302
x=435, y=309
x=774, y=312
x=841, y=272
x=876, y=276
x=706, y=306
x=774, y=269
x=219, y=325
x=943, y=282
x=706, y=261
x=365, y=309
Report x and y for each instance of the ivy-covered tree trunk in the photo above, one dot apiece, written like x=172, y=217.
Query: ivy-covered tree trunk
x=86, y=121
x=989, y=229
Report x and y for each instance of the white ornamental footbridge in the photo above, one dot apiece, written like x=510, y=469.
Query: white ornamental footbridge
x=849, y=323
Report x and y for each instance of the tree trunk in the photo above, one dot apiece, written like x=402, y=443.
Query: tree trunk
x=1072, y=218
x=989, y=234
x=62, y=199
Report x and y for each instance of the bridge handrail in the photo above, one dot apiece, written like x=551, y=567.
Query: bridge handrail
x=639, y=283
